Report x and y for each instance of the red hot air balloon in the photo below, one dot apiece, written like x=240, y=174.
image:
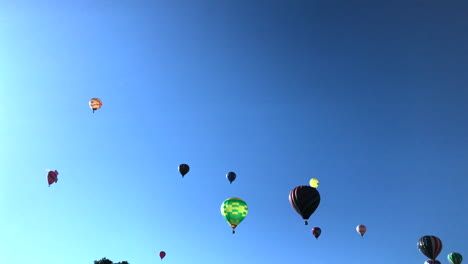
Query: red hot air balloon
x=305, y=200
x=361, y=229
x=316, y=231
x=52, y=177
x=430, y=246
x=162, y=254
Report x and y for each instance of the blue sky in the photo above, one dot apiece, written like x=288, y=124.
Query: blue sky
x=369, y=97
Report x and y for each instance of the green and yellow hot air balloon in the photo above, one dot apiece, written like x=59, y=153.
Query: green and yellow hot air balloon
x=234, y=211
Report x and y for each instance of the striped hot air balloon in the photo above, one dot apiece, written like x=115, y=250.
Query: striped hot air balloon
x=455, y=258
x=305, y=200
x=234, y=211
x=95, y=104
x=430, y=246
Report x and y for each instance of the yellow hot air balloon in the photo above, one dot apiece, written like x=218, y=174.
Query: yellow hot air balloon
x=95, y=104
x=314, y=183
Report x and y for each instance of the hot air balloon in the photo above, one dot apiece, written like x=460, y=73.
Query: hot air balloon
x=184, y=169
x=316, y=231
x=162, y=254
x=52, y=177
x=231, y=176
x=455, y=258
x=430, y=261
x=95, y=104
x=361, y=229
x=430, y=246
x=305, y=200
x=234, y=211
x=314, y=183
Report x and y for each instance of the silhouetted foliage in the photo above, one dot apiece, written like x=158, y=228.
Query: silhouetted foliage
x=107, y=261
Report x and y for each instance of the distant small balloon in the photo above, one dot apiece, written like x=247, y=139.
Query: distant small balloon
x=184, y=169
x=52, y=176
x=361, y=229
x=162, y=254
x=314, y=183
x=95, y=104
x=316, y=231
x=231, y=176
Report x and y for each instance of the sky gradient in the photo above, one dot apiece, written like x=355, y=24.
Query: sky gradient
x=370, y=97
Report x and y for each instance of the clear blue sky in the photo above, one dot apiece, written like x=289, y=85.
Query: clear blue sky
x=370, y=97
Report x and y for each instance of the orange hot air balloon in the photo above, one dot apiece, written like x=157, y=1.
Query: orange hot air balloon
x=95, y=104
x=361, y=229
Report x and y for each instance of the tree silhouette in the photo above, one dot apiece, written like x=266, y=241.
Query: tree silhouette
x=107, y=261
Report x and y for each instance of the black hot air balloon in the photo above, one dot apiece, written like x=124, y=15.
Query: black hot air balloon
x=305, y=200
x=231, y=176
x=184, y=169
x=430, y=246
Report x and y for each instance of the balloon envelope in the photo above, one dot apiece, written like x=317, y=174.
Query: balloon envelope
x=305, y=200
x=231, y=176
x=316, y=231
x=361, y=229
x=314, y=183
x=430, y=246
x=52, y=177
x=162, y=254
x=455, y=258
x=234, y=211
x=184, y=169
x=95, y=104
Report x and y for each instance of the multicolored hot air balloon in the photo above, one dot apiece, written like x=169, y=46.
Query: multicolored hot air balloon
x=430, y=261
x=184, y=169
x=52, y=177
x=314, y=183
x=305, y=200
x=361, y=229
x=316, y=231
x=455, y=258
x=430, y=246
x=162, y=254
x=95, y=104
x=231, y=176
x=234, y=211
